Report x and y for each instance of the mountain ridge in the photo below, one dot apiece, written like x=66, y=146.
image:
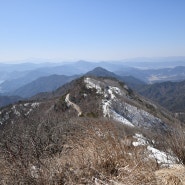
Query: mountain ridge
x=43, y=84
x=116, y=129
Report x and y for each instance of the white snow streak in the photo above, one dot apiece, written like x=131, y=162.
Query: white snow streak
x=121, y=111
x=109, y=95
x=121, y=119
x=34, y=105
x=160, y=156
x=16, y=112
x=106, y=108
x=141, y=141
x=90, y=84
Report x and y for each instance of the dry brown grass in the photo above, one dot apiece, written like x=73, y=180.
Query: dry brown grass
x=175, y=141
x=94, y=152
x=171, y=176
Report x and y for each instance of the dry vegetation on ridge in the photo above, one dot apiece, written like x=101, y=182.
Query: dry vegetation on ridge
x=52, y=146
x=77, y=151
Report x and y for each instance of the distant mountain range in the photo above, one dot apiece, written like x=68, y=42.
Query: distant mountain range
x=51, y=83
x=14, y=76
x=27, y=80
x=13, y=80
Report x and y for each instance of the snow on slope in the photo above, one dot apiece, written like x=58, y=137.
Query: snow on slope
x=91, y=83
x=121, y=111
x=107, y=102
x=160, y=156
x=16, y=111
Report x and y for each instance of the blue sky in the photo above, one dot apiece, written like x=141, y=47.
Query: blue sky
x=91, y=29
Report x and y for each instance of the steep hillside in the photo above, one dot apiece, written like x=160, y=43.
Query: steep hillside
x=93, y=130
x=168, y=94
x=43, y=84
x=106, y=94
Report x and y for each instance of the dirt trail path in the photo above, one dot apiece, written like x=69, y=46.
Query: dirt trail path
x=75, y=106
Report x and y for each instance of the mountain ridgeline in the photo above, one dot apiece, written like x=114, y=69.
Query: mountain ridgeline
x=52, y=82
x=131, y=81
x=86, y=132
x=23, y=83
x=43, y=84
x=105, y=97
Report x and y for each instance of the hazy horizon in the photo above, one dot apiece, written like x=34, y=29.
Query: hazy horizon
x=58, y=61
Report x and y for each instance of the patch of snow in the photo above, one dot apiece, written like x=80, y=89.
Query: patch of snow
x=138, y=116
x=123, y=111
x=106, y=95
x=108, y=112
x=26, y=104
x=6, y=117
x=34, y=171
x=115, y=90
x=28, y=112
x=121, y=119
x=16, y=112
x=141, y=140
x=91, y=84
x=34, y=105
x=106, y=108
x=111, y=94
x=160, y=156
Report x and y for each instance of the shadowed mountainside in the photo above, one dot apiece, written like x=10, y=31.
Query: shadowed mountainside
x=6, y=100
x=168, y=94
x=43, y=84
